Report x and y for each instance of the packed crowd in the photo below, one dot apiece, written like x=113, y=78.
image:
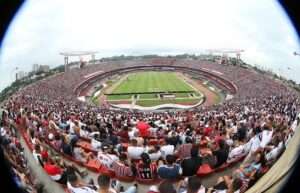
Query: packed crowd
x=13, y=152
x=164, y=147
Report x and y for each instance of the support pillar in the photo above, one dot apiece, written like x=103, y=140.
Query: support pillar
x=93, y=58
x=66, y=63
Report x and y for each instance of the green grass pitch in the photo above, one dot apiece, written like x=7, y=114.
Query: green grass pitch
x=152, y=82
x=143, y=86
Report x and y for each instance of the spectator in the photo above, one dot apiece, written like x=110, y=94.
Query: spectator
x=134, y=151
x=191, y=165
x=171, y=170
x=76, y=186
x=105, y=157
x=146, y=169
x=194, y=185
x=166, y=187
x=221, y=154
x=104, y=183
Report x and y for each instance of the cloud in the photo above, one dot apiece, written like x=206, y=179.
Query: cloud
x=42, y=29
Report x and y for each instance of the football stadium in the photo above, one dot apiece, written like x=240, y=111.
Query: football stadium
x=208, y=122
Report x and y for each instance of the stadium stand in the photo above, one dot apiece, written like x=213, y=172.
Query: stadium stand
x=250, y=131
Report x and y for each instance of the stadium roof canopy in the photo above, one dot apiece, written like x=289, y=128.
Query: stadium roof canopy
x=78, y=53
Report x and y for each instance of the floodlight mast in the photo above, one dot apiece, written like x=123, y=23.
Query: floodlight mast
x=76, y=53
x=225, y=53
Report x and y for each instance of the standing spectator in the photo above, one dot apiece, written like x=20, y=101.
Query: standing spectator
x=191, y=165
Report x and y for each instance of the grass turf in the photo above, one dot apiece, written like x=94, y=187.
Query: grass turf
x=143, y=83
x=152, y=82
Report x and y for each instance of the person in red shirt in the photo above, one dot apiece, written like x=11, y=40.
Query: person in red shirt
x=143, y=128
x=207, y=131
x=44, y=154
x=59, y=170
x=221, y=136
x=55, y=172
x=124, y=133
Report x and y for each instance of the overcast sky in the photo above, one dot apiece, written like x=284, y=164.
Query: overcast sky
x=42, y=29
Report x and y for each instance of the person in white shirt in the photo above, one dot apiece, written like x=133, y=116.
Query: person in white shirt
x=37, y=154
x=253, y=145
x=266, y=136
x=105, y=185
x=237, y=152
x=131, y=133
x=155, y=153
x=96, y=145
x=76, y=186
x=167, y=150
x=134, y=151
x=273, y=154
x=106, y=158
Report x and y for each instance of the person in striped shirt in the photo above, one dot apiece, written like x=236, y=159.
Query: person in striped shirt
x=146, y=169
x=121, y=167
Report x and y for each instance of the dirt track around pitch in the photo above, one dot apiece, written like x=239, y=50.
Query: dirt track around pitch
x=211, y=97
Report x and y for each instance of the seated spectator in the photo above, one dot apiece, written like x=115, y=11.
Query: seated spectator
x=121, y=167
x=275, y=150
x=166, y=187
x=37, y=154
x=167, y=149
x=65, y=146
x=227, y=184
x=173, y=138
x=184, y=150
x=33, y=138
x=248, y=170
x=123, y=133
x=266, y=136
x=76, y=186
x=57, y=142
x=253, y=145
x=146, y=169
x=134, y=151
x=105, y=185
x=237, y=152
x=55, y=172
x=95, y=142
x=80, y=155
x=171, y=170
x=155, y=153
x=194, y=185
x=105, y=157
x=241, y=132
x=191, y=165
x=221, y=154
